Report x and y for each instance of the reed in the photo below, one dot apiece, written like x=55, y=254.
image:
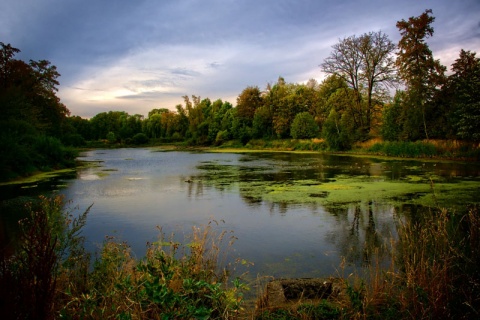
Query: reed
x=431, y=274
x=50, y=276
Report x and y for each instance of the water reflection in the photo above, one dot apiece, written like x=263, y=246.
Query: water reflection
x=293, y=214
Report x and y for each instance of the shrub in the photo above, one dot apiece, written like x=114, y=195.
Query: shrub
x=304, y=126
x=336, y=132
x=140, y=138
x=50, y=248
x=405, y=149
x=49, y=277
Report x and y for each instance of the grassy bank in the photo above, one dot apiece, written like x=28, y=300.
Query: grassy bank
x=438, y=149
x=51, y=275
x=433, y=273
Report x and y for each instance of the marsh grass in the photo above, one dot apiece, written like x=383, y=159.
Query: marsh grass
x=433, y=272
x=174, y=280
x=50, y=275
x=288, y=144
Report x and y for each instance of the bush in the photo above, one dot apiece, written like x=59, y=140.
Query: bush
x=73, y=139
x=337, y=132
x=50, y=248
x=140, y=138
x=48, y=277
x=405, y=149
x=304, y=126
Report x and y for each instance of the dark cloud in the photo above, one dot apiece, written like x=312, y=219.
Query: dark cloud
x=127, y=52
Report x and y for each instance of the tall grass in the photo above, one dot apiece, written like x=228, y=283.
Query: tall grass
x=288, y=144
x=433, y=272
x=423, y=149
x=50, y=275
x=405, y=149
x=50, y=245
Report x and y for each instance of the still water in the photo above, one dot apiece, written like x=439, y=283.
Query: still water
x=294, y=215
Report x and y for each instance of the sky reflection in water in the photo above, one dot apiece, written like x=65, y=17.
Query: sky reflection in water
x=135, y=190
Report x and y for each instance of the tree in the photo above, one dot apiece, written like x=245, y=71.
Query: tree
x=378, y=66
x=6, y=58
x=346, y=61
x=304, y=126
x=32, y=116
x=363, y=62
x=465, y=85
x=337, y=131
x=247, y=103
x=392, y=126
x=423, y=76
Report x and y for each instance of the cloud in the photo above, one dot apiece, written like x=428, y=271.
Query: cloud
x=136, y=55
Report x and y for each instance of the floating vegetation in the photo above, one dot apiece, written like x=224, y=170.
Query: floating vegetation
x=281, y=182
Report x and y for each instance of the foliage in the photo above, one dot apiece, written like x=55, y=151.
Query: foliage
x=49, y=277
x=304, y=126
x=140, y=138
x=33, y=118
x=391, y=128
x=423, y=75
x=50, y=248
x=405, y=149
x=337, y=131
x=465, y=82
x=364, y=61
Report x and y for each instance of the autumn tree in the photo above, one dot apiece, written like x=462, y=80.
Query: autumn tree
x=248, y=102
x=423, y=76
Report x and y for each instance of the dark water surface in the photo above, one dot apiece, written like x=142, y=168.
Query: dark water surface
x=295, y=215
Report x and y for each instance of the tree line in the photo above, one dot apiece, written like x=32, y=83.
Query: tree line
x=353, y=103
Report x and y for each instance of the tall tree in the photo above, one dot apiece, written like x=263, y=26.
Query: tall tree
x=363, y=62
x=346, y=61
x=7, y=53
x=465, y=85
x=423, y=76
x=378, y=66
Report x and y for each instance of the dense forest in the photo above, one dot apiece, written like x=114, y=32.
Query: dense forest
x=354, y=103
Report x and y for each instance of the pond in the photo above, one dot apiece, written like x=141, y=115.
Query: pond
x=293, y=214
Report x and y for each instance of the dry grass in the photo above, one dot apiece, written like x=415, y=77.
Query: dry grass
x=431, y=275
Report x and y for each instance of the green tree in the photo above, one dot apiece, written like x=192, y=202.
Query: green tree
x=262, y=123
x=391, y=128
x=465, y=85
x=304, y=126
x=33, y=118
x=337, y=131
x=345, y=61
x=423, y=76
x=328, y=87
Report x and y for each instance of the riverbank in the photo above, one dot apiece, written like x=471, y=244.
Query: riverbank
x=445, y=150
x=428, y=150
x=432, y=274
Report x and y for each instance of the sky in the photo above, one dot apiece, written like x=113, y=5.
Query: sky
x=137, y=55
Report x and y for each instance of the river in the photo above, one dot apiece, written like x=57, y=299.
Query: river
x=293, y=214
